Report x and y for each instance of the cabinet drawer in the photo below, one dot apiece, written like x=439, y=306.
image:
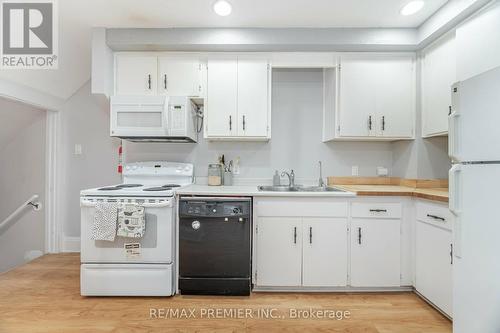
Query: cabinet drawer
x=376, y=210
x=301, y=207
x=434, y=213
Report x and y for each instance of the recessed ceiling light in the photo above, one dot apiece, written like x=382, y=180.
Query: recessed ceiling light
x=412, y=7
x=222, y=8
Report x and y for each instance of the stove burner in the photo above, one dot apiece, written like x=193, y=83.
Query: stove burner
x=157, y=189
x=128, y=185
x=171, y=185
x=111, y=188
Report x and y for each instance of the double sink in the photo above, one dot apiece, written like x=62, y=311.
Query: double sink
x=299, y=188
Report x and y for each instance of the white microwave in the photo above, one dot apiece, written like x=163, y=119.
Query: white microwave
x=155, y=118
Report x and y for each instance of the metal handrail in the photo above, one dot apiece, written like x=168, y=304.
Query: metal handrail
x=33, y=202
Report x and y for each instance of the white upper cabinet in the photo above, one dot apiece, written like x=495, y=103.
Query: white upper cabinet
x=376, y=97
x=478, y=43
x=180, y=75
x=438, y=75
x=253, y=99
x=395, y=97
x=357, y=97
x=221, y=110
x=135, y=74
x=173, y=74
x=238, y=98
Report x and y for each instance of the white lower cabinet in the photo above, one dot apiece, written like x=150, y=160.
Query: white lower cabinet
x=279, y=251
x=324, y=246
x=294, y=252
x=375, y=253
x=434, y=255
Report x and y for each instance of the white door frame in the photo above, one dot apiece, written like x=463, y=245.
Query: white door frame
x=51, y=105
x=53, y=225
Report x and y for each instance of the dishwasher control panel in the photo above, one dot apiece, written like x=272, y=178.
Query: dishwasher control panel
x=214, y=208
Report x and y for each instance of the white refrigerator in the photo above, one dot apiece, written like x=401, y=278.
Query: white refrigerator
x=474, y=147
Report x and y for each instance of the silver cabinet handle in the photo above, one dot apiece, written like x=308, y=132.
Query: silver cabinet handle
x=370, y=123
x=383, y=123
x=165, y=81
x=359, y=236
x=295, y=235
x=149, y=81
x=244, y=123
x=230, y=123
x=310, y=235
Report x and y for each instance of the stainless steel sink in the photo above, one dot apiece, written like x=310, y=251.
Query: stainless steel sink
x=282, y=188
x=320, y=189
x=279, y=188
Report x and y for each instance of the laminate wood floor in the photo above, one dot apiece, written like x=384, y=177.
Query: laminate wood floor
x=44, y=296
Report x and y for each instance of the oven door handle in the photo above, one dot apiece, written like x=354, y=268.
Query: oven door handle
x=166, y=203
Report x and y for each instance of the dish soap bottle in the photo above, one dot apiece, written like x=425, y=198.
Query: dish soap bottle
x=276, y=179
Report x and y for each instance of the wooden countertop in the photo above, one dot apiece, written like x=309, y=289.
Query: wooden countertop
x=426, y=189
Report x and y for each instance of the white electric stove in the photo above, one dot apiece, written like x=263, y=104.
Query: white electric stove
x=134, y=266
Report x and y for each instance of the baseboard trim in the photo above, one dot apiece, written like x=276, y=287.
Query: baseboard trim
x=71, y=244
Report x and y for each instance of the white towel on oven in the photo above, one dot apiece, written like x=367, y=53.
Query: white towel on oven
x=105, y=218
x=131, y=221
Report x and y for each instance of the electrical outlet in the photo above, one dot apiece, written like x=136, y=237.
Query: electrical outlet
x=355, y=170
x=78, y=149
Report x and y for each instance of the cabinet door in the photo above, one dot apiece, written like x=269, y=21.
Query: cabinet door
x=324, y=261
x=253, y=97
x=357, y=97
x=222, y=97
x=433, y=265
x=438, y=75
x=279, y=252
x=136, y=74
x=179, y=75
x=375, y=253
x=395, y=96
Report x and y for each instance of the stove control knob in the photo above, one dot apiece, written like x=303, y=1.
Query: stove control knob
x=196, y=225
x=236, y=210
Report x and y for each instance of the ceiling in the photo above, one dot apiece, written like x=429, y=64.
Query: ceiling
x=77, y=17
x=19, y=116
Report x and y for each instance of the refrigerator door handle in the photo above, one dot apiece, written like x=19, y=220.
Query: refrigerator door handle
x=454, y=206
x=454, y=189
x=453, y=129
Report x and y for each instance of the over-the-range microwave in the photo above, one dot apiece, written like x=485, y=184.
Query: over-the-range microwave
x=156, y=118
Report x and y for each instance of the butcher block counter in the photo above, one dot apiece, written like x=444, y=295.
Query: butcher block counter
x=431, y=189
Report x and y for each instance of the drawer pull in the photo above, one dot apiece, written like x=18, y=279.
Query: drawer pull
x=359, y=236
x=435, y=217
x=378, y=210
x=295, y=235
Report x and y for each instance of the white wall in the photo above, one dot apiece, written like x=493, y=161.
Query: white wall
x=295, y=144
x=85, y=123
x=22, y=174
x=421, y=158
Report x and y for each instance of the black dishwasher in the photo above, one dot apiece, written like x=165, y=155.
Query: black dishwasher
x=215, y=245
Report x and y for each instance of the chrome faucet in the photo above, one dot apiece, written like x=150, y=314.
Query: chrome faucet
x=291, y=178
x=321, y=183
